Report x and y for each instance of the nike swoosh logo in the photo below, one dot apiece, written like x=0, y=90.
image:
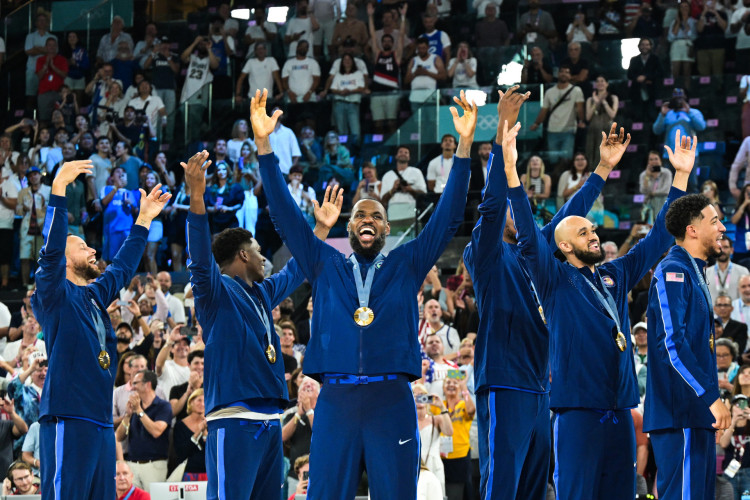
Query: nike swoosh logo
x=404, y=442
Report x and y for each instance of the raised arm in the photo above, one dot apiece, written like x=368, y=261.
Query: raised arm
x=449, y=213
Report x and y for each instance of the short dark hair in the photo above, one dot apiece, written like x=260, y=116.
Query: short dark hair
x=148, y=376
x=198, y=353
x=449, y=135
x=386, y=35
x=125, y=325
x=423, y=40
x=683, y=211
x=101, y=138
x=726, y=238
x=565, y=66
x=228, y=243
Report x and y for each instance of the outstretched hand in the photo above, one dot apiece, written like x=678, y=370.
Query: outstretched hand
x=195, y=172
x=328, y=213
x=508, y=107
x=262, y=124
x=153, y=204
x=68, y=173
x=510, y=152
x=683, y=156
x=613, y=146
x=466, y=124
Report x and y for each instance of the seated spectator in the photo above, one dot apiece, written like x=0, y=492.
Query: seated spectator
x=20, y=480
x=302, y=194
x=440, y=167
x=742, y=381
x=300, y=27
x=601, y=109
x=537, y=183
x=190, y=435
x=239, y=136
x=347, y=88
x=285, y=145
x=463, y=67
x=579, y=67
x=481, y=7
x=10, y=430
x=296, y=431
x=51, y=70
x=110, y=42
x=30, y=450
x=41, y=146
x=179, y=394
x=124, y=486
x=149, y=105
x=369, y=186
x=537, y=69
x=248, y=159
x=572, y=179
x=709, y=44
x=25, y=389
x=654, y=183
x=311, y=148
x=437, y=370
x=401, y=187
x=457, y=463
x=301, y=471
x=491, y=36
x=432, y=425
x=741, y=220
x=727, y=353
x=351, y=32
x=439, y=41
x=8, y=203
x=262, y=72
x=580, y=30
x=32, y=206
x=711, y=191
x=110, y=108
x=736, y=331
x=81, y=127
x=537, y=26
x=740, y=164
x=423, y=74
x=682, y=33
x=228, y=197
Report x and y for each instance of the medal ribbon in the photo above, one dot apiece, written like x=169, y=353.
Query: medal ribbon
x=606, y=301
x=719, y=282
x=703, y=285
x=363, y=290
x=259, y=310
x=101, y=331
x=533, y=289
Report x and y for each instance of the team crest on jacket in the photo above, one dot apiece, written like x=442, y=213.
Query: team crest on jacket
x=608, y=281
x=379, y=264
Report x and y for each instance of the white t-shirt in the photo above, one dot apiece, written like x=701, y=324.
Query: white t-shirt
x=564, y=117
x=198, y=75
x=745, y=85
x=428, y=486
x=359, y=63
x=176, y=308
x=234, y=148
x=9, y=190
x=172, y=374
x=402, y=203
x=260, y=74
x=153, y=104
x=350, y=81
x=424, y=82
x=300, y=74
x=743, y=39
x=578, y=34
x=461, y=78
x=11, y=350
x=297, y=25
x=284, y=144
x=296, y=193
x=35, y=40
x=438, y=170
x=256, y=33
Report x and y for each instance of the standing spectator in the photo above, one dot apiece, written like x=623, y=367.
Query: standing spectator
x=147, y=419
x=223, y=47
x=150, y=105
x=368, y=187
x=741, y=220
x=601, y=109
x=165, y=65
x=461, y=408
x=350, y=33
x=99, y=85
x=124, y=65
x=644, y=24
x=463, y=67
x=491, y=36
x=124, y=486
x=739, y=24
x=741, y=163
x=387, y=54
x=102, y=164
x=174, y=371
x=537, y=183
x=26, y=388
x=35, y=48
x=32, y=206
x=175, y=305
x=572, y=179
x=711, y=191
x=537, y=69
x=431, y=428
x=735, y=441
x=8, y=202
x=302, y=194
x=179, y=394
x=741, y=305
x=119, y=207
x=723, y=308
x=51, y=70
x=30, y=449
x=285, y=146
x=228, y=197
x=562, y=104
x=401, y=187
x=436, y=368
x=579, y=67
x=300, y=27
x=146, y=47
x=296, y=431
x=78, y=64
x=190, y=435
x=423, y=74
x=239, y=137
x=20, y=480
x=681, y=35
x=440, y=167
x=611, y=21
x=75, y=193
x=710, y=44
x=654, y=183
x=327, y=13
x=110, y=109
x=580, y=30
x=433, y=314
x=745, y=97
x=347, y=89
x=300, y=76
x=201, y=62
x=259, y=30
x=536, y=27
x=262, y=72
x=644, y=72
x=110, y=42
x=129, y=163
x=439, y=41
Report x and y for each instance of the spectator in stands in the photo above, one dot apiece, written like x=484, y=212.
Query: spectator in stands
x=150, y=105
x=723, y=277
x=676, y=114
x=601, y=109
x=302, y=194
x=735, y=441
x=387, y=53
x=202, y=62
x=742, y=381
x=579, y=67
x=681, y=35
x=30, y=450
x=431, y=428
x=745, y=98
x=457, y=463
x=537, y=183
x=433, y=313
x=133, y=364
x=436, y=371
x=179, y=394
x=723, y=308
x=311, y=147
x=99, y=85
x=51, y=70
x=119, y=208
x=327, y=13
x=131, y=164
x=296, y=431
x=176, y=308
x=369, y=186
x=11, y=429
x=611, y=22
x=711, y=191
x=285, y=146
x=439, y=41
x=78, y=64
x=147, y=419
x=301, y=469
x=298, y=28
x=537, y=26
x=110, y=42
x=8, y=202
x=300, y=76
x=644, y=24
x=463, y=67
x=262, y=72
x=572, y=179
x=351, y=33
x=124, y=65
x=35, y=48
x=26, y=397
x=644, y=72
x=110, y=109
x=440, y=167
x=739, y=24
x=32, y=206
x=75, y=194
x=741, y=305
x=580, y=30
x=102, y=164
x=190, y=435
x=239, y=136
x=491, y=35
x=82, y=127
x=228, y=197
x=562, y=104
x=223, y=46
x=423, y=74
x=401, y=187
x=148, y=46
x=741, y=162
x=20, y=480
x=536, y=69
x=40, y=146
x=174, y=371
x=166, y=65
x=125, y=488
x=709, y=44
x=347, y=88
x=259, y=30
x=654, y=183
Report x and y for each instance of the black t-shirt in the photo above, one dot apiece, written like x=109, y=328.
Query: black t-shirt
x=534, y=75
x=712, y=36
x=176, y=392
x=290, y=363
x=132, y=132
x=299, y=443
x=576, y=68
x=162, y=76
x=740, y=439
x=22, y=140
x=6, y=444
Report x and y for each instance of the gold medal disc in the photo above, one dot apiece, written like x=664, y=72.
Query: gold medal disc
x=711, y=343
x=541, y=313
x=621, y=342
x=104, y=360
x=271, y=354
x=363, y=316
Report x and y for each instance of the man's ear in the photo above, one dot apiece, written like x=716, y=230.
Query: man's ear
x=565, y=247
x=387, y=228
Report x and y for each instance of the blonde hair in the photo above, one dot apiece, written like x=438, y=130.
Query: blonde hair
x=419, y=387
x=196, y=393
x=527, y=182
x=713, y=186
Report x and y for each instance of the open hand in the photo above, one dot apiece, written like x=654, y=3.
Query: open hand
x=152, y=204
x=71, y=170
x=195, y=172
x=613, y=146
x=328, y=213
x=683, y=156
x=508, y=108
x=466, y=124
x=262, y=124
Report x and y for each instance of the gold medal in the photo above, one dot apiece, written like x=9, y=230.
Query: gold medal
x=363, y=316
x=541, y=313
x=711, y=343
x=621, y=342
x=104, y=360
x=271, y=354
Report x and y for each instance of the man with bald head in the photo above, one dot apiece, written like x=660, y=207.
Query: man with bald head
x=363, y=346
x=510, y=372
x=742, y=304
x=70, y=302
x=594, y=383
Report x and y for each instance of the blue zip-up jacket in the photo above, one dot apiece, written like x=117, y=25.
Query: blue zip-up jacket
x=389, y=344
x=237, y=370
x=689, y=123
x=76, y=386
x=588, y=369
x=512, y=346
x=682, y=378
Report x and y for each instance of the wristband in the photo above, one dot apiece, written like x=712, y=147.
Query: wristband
x=310, y=412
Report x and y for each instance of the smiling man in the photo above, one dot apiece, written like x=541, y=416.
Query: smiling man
x=364, y=344
x=683, y=407
x=70, y=302
x=587, y=308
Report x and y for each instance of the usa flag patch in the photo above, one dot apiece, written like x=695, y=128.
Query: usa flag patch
x=679, y=277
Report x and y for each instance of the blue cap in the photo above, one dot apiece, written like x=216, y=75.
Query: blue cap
x=33, y=169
